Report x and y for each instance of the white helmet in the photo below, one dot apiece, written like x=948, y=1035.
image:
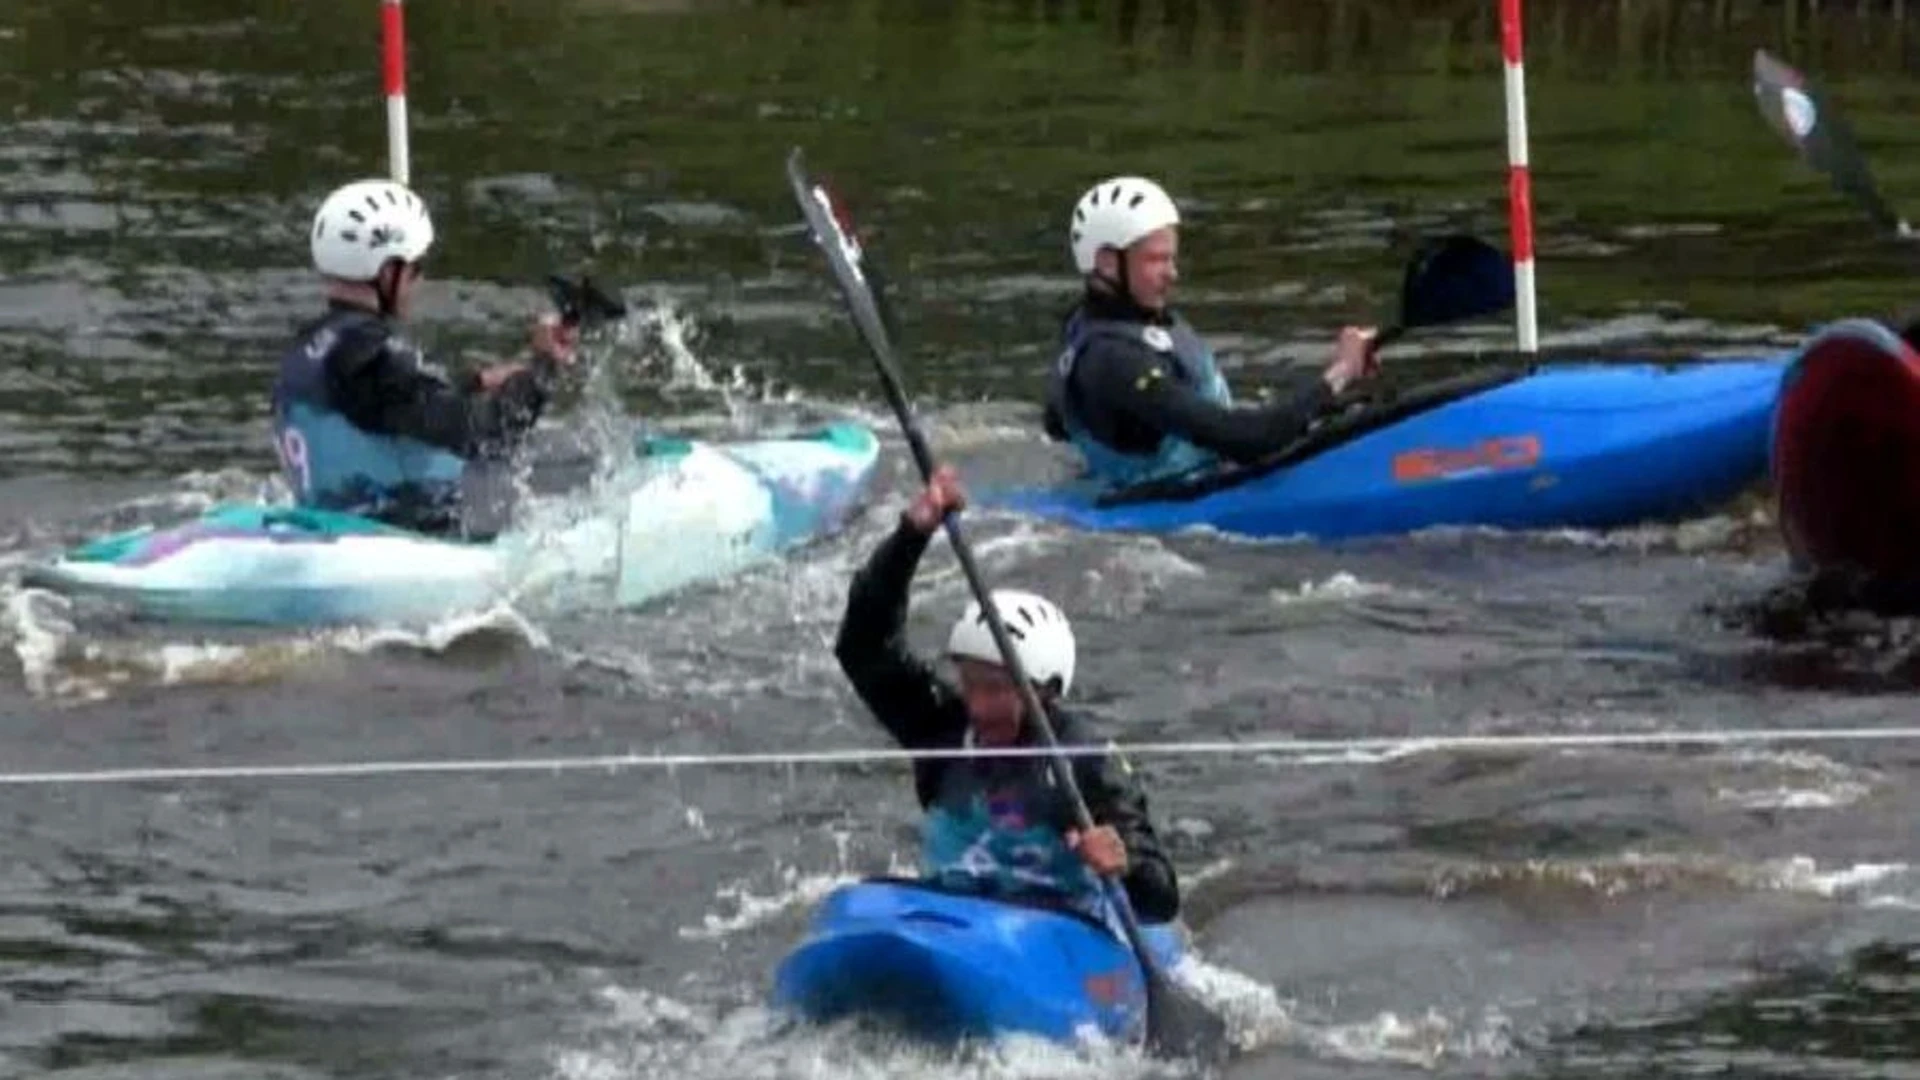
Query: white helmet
x=1115, y=213
x=364, y=224
x=1039, y=630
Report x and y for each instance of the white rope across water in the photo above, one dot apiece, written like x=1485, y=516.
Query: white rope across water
x=615, y=763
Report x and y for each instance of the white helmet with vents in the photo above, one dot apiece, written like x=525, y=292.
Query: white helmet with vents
x=1039, y=630
x=1116, y=213
x=364, y=224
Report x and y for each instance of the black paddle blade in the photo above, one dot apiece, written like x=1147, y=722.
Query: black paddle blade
x=1802, y=116
x=582, y=303
x=829, y=225
x=1181, y=1026
x=833, y=232
x=862, y=279
x=1452, y=279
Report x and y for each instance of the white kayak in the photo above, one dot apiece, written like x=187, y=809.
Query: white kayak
x=691, y=512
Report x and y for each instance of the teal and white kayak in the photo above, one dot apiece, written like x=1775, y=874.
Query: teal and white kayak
x=690, y=512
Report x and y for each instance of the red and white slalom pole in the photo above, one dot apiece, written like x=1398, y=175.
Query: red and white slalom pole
x=394, y=68
x=1519, y=180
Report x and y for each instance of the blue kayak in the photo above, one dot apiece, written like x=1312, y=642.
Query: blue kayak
x=945, y=967
x=1561, y=446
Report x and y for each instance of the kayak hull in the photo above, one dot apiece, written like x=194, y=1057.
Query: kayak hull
x=1565, y=446
x=691, y=512
x=1845, y=454
x=944, y=967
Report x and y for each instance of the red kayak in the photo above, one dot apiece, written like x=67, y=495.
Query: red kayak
x=1846, y=453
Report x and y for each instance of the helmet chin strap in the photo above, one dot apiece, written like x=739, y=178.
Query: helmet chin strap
x=1122, y=284
x=386, y=294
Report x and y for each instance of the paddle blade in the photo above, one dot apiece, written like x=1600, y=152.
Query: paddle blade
x=1180, y=1025
x=1452, y=279
x=582, y=303
x=1802, y=116
x=833, y=231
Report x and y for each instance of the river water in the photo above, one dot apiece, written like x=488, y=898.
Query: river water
x=1630, y=911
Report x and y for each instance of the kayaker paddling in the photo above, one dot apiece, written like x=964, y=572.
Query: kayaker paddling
x=363, y=423
x=1135, y=389
x=921, y=710
x=996, y=826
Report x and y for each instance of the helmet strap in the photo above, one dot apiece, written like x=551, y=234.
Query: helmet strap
x=1126, y=279
x=386, y=286
x=1121, y=284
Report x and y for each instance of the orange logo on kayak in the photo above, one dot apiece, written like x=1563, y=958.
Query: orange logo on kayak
x=1508, y=452
x=1105, y=989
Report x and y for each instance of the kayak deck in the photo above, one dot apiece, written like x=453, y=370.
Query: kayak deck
x=945, y=967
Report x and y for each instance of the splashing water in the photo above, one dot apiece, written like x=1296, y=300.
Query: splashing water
x=567, y=548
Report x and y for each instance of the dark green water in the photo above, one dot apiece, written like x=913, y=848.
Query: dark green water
x=166, y=160
x=1626, y=913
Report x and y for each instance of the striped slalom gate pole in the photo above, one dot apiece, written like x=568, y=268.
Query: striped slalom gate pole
x=1519, y=180
x=394, y=69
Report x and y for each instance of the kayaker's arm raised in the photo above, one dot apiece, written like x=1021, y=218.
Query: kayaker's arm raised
x=916, y=706
x=923, y=711
x=389, y=388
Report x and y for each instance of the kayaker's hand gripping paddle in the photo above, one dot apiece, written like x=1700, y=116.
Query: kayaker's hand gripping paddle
x=582, y=303
x=1178, y=1024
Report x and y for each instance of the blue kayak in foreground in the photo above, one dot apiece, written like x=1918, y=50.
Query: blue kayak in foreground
x=1563, y=446
x=945, y=967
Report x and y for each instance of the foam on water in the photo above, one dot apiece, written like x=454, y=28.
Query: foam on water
x=1425, y=1041
x=643, y=1035
x=1864, y=882
x=1342, y=586
x=1729, y=529
x=1633, y=873
x=1812, y=781
x=796, y=889
x=58, y=662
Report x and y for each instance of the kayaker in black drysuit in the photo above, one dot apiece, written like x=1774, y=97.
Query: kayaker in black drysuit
x=363, y=423
x=996, y=826
x=1134, y=389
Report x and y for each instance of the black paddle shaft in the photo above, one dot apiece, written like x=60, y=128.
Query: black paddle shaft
x=1803, y=117
x=845, y=257
x=1174, y=1022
